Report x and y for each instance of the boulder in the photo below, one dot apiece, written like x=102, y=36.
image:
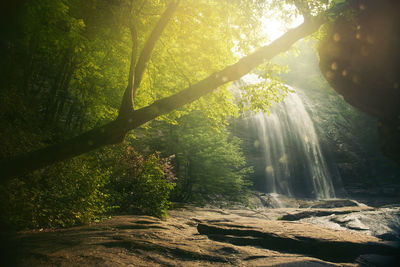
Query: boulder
x=360, y=58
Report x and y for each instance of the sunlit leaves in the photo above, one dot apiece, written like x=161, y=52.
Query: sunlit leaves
x=261, y=95
x=301, y=7
x=201, y=39
x=261, y=90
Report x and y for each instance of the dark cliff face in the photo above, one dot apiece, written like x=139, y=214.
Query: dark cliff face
x=350, y=142
x=360, y=58
x=348, y=137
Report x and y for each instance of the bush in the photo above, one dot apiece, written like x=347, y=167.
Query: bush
x=208, y=161
x=81, y=190
x=63, y=195
x=142, y=185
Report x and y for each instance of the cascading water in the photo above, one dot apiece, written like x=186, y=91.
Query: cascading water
x=294, y=163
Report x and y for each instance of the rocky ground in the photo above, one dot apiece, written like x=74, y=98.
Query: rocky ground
x=308, y=233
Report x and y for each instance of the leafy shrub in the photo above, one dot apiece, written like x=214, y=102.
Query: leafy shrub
x=63, y=195
x=208, y=161
x=142, y=185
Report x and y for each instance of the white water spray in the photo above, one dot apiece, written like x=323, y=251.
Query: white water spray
x=294, y=163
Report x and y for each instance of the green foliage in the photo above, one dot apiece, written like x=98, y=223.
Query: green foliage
x=263, y=89
x=66, y=194
x=208, y=162
x=69, y=59
x=64, y=70
x=142, y=185
x=259, y=96
x=201, y=40
x=286, y=7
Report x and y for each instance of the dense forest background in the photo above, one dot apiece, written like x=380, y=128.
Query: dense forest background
x=64, y=71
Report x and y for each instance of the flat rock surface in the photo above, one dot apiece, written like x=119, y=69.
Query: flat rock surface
x=194, y=236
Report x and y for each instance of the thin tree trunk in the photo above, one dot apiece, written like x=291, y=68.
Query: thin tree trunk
x=71, y=111
x=64, y=92
x=52, y=96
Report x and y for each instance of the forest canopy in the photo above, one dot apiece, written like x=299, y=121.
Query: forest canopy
x=95, y=47
x=77, y=76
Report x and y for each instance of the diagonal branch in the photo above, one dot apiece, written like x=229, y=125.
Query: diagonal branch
x=233, y=72
x=114, y=132
x=230, y=73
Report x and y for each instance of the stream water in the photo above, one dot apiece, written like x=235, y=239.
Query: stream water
x=294, y=163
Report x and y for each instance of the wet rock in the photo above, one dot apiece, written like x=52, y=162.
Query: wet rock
x=335, y=203
x=295, y=240
x=378, y=260
x=273, y=200
x=296, y=216
x=194, y=236
x=383, y=222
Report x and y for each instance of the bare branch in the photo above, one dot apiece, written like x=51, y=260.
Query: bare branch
x=151, y=42
x=127, y=100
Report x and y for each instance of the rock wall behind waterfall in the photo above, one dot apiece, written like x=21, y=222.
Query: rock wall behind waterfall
x=348, y=137
x=350, y=143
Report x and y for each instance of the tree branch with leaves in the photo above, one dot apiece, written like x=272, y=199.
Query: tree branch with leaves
x=130, y=118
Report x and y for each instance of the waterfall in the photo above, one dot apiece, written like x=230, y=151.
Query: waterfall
x=294, y=164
